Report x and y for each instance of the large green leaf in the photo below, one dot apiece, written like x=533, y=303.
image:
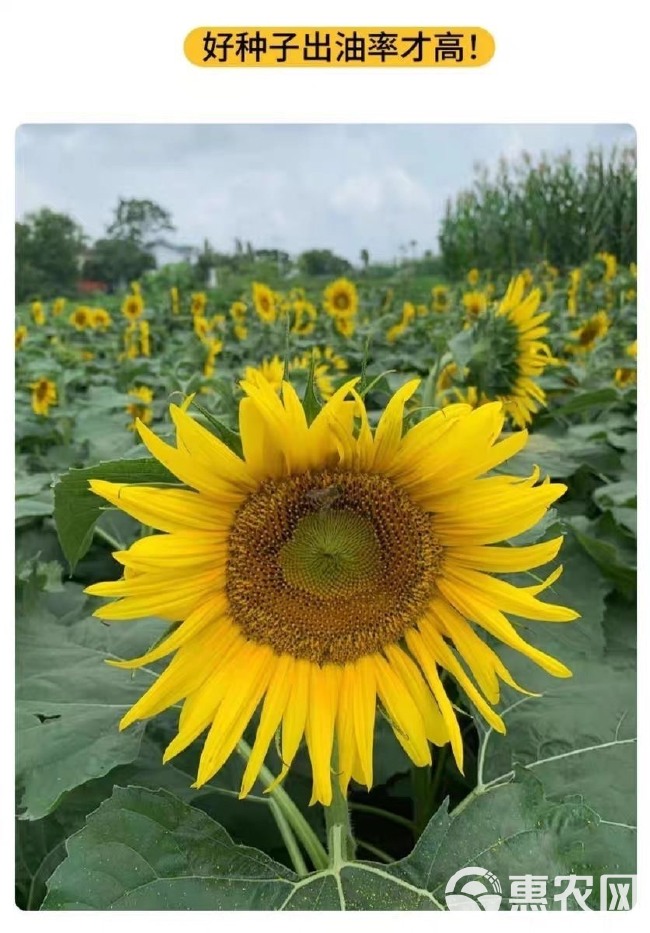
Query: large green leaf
x=77, y=509
x=69, y=703
x=145, y=850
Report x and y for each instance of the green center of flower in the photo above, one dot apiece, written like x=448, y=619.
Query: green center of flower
x=331, y=554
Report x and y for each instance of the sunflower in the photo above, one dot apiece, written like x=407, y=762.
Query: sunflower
x=214, y=348
x=201, y=326
x=140, y=408
x=341, y=299
x=132, y=307
x=631, y=349
x=324, y=361
x=145, y=344
x=100, y=319
x=44, y=394
x=475, y=303
x=240, y=331
x=345, y=326
x=238, y=312
x=175, y=299
x=20, y=336
x=512, y=354
x=58, y=307
x=330, y=569
x=38, y=313
x=590, y=333
x=305, y=317
x=473, y=277
x=81, y=318
x=268, y=373
x=610, y=265
x=625, y=376
x=198, y=304
x=264, y=302
x=440, y=295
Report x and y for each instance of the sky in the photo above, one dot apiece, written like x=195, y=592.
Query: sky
x=343, y=187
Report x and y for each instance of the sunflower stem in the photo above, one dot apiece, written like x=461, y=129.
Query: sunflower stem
x=421, y=780
x=301, y=828
x=289, y=839
x=340, y=841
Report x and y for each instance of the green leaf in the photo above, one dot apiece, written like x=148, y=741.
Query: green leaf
x=310, y=401
x=69, y=703
x=585, y=401
x=610, y=548
x=616, y=494
x=146, y=850
x=231, y=438
x=579, y=737
x=462, y=348
x=77, y=509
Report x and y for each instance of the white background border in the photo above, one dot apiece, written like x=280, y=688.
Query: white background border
x=122, y=61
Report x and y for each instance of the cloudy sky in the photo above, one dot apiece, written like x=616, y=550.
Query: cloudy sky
x=292, y=187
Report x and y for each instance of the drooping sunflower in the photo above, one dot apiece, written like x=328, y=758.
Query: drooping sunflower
x=44, y=394
x=513, y=355
x=473, y=277
x=81, y=318
x=341, y=299
x=58, y=307
x=590, y=333
x=264, y=302
x=132, y=307
x=330, y=569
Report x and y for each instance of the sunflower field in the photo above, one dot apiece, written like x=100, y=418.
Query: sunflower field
x=326, y=591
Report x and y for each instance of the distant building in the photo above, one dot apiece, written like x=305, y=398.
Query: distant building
x=167, y=253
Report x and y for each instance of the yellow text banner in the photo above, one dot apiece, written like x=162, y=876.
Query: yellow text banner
x=339, y=46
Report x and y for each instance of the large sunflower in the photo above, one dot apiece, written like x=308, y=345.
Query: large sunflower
x=330, y=570
x=341, y=299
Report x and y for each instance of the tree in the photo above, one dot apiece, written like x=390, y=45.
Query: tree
x=322, y=262
x=364, y=255
x=49, y=250
x=117, y=261
x=124, y=254
x=140, y=221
